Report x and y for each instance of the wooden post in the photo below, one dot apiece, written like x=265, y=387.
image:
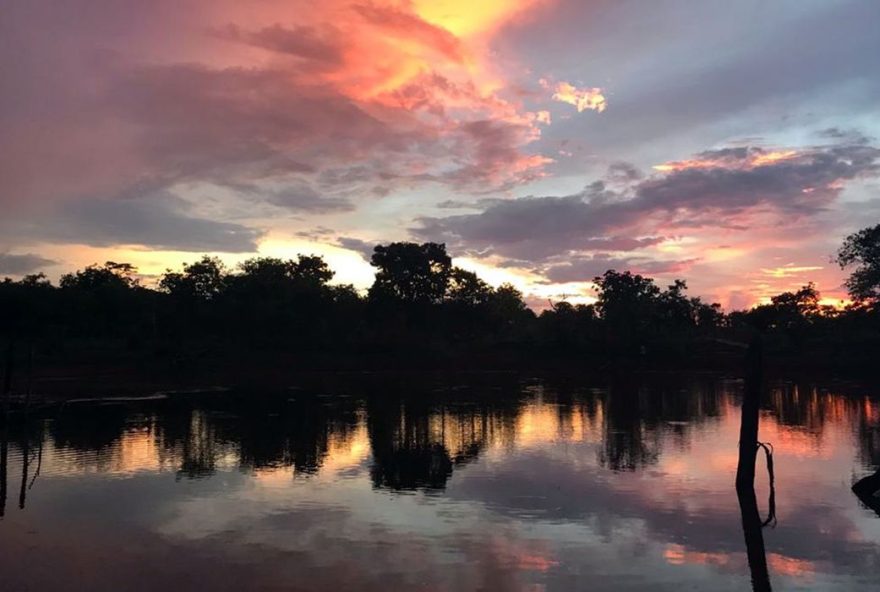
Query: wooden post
x=30, y=378
x=751, y=406
x=25, y=466
x=4, y=451
x=745, y=469
x=7, y=378
x=752, y=531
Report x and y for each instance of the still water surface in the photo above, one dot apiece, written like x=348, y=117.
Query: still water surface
x=396, y=484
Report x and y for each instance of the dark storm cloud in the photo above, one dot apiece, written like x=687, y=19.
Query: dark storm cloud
x=20, y=264
x=719, y=188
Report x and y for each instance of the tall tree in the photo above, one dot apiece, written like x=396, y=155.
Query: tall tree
x=202, y=280
x=625, y=297
x=411, y=272
x=862, y=250
x=466, y=289
x=111, y=276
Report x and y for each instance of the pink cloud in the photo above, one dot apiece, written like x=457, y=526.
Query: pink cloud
x=252, y=93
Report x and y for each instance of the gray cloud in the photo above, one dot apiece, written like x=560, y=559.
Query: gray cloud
x=677, y=69
x=160, y=221
x=799, y=185
x=584, y=269
x=721, y=192
x=304, y=198
x=20, y=264
x=365, y=248
x=299, y=41
x=624, y=172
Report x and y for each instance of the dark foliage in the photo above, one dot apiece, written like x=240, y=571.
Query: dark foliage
x=862, y=249
x=419, y=302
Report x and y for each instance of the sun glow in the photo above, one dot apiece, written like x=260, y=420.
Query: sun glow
x=467, y=18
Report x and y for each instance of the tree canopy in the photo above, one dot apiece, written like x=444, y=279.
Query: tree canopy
x=411, y=272
x=862, y=250
x=418, y=299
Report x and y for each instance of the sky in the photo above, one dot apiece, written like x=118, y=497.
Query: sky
x=732, y=144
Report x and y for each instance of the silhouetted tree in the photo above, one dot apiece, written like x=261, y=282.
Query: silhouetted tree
x=106, y=301
x=411, y=273
x=709, y=316
x=787, y=310
x=110, y=276
x=203, y=280
x=418, y=302
x=466, y=289
x=862, y=249
x=625, y=300
x=279, y=300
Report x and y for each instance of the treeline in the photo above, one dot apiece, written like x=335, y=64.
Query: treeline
x=418, y=302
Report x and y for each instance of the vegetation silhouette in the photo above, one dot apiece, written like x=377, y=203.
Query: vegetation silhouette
x=419, y=304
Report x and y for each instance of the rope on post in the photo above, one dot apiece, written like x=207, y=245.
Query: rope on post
x=771, y=502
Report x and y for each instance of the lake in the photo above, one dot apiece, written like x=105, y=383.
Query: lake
x=487, y=482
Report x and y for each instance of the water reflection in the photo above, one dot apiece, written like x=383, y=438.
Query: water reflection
x=510, y=485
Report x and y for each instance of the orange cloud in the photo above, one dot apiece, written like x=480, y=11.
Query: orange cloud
x=676, y=554
x=257, y=92
x=789, y=270
x=582, y=98
x=752, y=159
x=796, y=568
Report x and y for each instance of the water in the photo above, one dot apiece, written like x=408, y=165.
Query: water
x=374, y=483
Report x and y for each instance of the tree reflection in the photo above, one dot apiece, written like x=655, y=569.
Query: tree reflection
x=4, y=459
x=407, y=452
x=291, y=433
x=89, y=428
x=25, y=436
x=417, y=441
x=867, y=489
x=198, y=447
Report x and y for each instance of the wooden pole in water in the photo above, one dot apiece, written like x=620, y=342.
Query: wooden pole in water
x=745, y=469
x=4, y=451
x=751, y=406
x=7, y=378
x=25, y=466
x=30, y=378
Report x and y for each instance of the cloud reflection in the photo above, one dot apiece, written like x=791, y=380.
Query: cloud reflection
x=507, y=487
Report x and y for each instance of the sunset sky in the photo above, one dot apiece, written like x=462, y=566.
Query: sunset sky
x=733, y=144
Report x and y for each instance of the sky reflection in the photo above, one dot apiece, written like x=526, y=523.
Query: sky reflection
x=539, y=485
